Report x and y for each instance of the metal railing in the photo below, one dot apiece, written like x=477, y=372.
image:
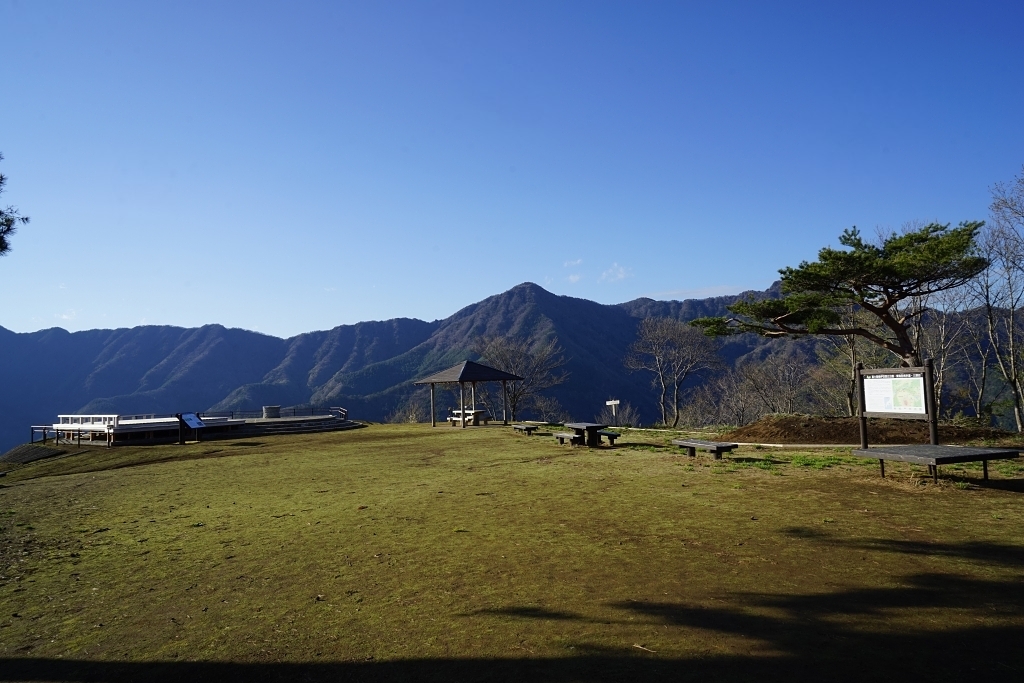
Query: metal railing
x=295, y=411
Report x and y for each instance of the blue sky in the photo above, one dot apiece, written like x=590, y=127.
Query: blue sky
x=286, y=167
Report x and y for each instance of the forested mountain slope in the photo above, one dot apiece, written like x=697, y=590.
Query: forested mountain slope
x=367, y=367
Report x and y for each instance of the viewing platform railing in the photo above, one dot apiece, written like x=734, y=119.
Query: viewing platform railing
x=90, y=422
x=297, y=411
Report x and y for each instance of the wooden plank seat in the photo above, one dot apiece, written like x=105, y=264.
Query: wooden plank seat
x=935, y=455
x=611, y=436
x=693, y=445
x=526, y=429
x=572, y=438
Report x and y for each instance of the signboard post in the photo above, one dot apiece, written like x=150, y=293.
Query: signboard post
x=192, y=421
x=613, y=403
x=910, y=393
x=907, y=393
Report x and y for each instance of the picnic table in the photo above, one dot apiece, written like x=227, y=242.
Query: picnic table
x=587, y=432
x=525, y=429
x=934, y=455
x=473, y=417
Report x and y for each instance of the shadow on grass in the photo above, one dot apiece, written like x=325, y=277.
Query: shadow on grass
x=532, y=613
x=754, y=461
x=1011, y=485
x=978, y=551
x=885, y=633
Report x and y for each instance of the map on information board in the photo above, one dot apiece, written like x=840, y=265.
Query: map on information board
x=192, y=420
x=894, y=393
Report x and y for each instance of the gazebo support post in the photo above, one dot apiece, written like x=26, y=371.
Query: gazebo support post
x=504, y=401
x=473, y=390
x=462, y=403
x=433, y=414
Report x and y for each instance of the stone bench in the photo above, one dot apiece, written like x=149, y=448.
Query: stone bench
x=571, y=437
x=611, y=436
x=693, y=445
x=526, y=429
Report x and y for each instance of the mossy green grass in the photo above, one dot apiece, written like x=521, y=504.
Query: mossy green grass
x=405, y=551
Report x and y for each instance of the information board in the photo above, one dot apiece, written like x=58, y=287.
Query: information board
x=900, y=393
x=192, y=420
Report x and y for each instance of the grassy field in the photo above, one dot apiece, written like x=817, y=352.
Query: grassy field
x=405, y=552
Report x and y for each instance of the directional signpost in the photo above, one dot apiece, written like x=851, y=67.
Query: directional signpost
x=613, y=403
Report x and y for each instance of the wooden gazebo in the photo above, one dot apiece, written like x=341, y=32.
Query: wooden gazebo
x=468, y=372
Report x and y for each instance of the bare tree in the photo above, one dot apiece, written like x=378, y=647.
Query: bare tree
x=550, y=410
x=975, y=361
x=625, y=416
x=539, y=364
x=671, y=351
x=410, y=412
x=940, y=332
x=780, y=382
x=1008, y=204
x=828, y=391
x=724, y=399
x=1000, y=289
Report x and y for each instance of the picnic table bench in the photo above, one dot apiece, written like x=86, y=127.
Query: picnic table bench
x=573, y=438
x=473, y=417
x=693, y=445
x=526, y=429
x=611, y=436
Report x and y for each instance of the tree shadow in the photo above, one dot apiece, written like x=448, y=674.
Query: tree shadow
x=532, y=613
x=752, y=461
x=979, y=551
x=1010, y=485
x=928, y=627
x=853, y=634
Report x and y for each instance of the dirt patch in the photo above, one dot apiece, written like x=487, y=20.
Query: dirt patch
x=845, y=430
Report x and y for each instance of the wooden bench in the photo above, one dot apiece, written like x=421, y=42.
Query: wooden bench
x=571, y=437
x=611, y=436
x=936, y=455
x=526, y=429
x=693, y=445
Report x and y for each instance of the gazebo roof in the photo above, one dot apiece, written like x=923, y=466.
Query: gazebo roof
x=468, y=371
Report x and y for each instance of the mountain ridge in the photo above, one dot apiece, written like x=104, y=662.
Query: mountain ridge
x=367, y=366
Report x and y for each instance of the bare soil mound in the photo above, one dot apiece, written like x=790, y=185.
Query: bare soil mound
x=844, y=430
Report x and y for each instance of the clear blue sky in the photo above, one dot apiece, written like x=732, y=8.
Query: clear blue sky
x=292, y=166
